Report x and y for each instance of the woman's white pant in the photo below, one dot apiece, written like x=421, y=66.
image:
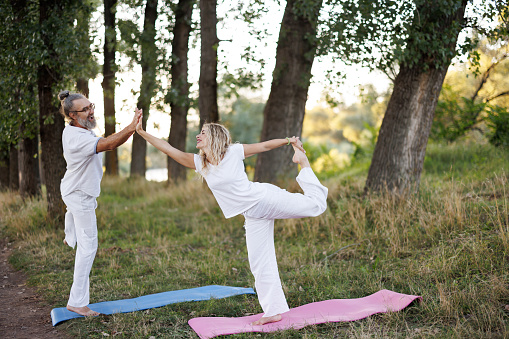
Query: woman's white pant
x=81, y=229
x=259, y=225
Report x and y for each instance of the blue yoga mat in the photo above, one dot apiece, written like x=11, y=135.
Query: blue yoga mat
x=61, y=314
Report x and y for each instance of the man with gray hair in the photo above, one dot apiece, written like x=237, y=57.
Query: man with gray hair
x=81, y=186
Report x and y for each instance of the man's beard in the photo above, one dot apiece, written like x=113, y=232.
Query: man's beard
x=87, y=123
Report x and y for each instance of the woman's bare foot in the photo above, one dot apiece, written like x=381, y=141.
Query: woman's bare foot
x=266, y=320
x=300, y=158
x=65, y=242
x=85, y=311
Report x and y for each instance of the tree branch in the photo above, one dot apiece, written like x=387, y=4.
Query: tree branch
x=498, y=96
x=486, y=75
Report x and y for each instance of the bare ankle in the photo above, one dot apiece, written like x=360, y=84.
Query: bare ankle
x=267, y=320
x=84, y=311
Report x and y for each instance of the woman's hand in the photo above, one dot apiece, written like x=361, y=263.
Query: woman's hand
x=139, y=121
x=295, y=141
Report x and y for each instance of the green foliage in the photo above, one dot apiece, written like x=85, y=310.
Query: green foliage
x=365, y=31
x=244, y=120
x=129, y=43
x=455, y=116
x=24, y=51
x=231, y=83
x=384, y=34
x=18, y=69
x=474, y=96
x=498, y=121
x=136, y=39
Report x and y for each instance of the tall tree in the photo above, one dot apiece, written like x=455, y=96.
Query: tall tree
x=207, y=102
x=41, y=55
x=148, y=84
x=50, y=120
x=179, y=92
x=108, y=84
x=415, y=41
x=83, y=24
x=399, y=152
x=284, y=111
x=13, y=168
x=25, y=115
x=4, y=167
x=28, y=159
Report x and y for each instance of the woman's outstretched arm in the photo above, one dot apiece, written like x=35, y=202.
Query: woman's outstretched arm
x=252, y=149
x=183, y=158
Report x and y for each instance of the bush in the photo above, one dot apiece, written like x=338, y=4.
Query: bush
x=498, y=121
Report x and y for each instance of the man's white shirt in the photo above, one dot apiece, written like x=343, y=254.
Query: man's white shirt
x=84, y=164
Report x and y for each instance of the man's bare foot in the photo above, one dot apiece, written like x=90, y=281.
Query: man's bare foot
x=85, y=311
x=266, y=320
x=300, y=158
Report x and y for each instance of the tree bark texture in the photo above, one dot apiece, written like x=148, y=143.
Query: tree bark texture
x=51, y=121
x=82, y=87
x=399, y=153
x=285, y=108
x=179, y=93
x=13, y=168
x=4, y=168
x=28, y=158
x=83, y=24
x=148, y=82
x=207, y=101
x=108, y=84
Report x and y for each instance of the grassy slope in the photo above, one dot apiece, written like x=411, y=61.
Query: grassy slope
x=449, y=244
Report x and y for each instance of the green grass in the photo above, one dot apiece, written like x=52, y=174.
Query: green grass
x=449, y=244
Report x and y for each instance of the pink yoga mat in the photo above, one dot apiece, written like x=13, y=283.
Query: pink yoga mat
x=315, y=313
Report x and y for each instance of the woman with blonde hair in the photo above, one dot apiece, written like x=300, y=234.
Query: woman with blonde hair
x=220, y=162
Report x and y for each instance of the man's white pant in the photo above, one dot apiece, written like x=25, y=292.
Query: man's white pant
x=259, y=225
x=81, y=228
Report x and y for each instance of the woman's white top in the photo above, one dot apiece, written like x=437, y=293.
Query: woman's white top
x=84, y=164
x=228, y=182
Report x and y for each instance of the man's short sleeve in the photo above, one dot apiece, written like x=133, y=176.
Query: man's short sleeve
x=84, y=144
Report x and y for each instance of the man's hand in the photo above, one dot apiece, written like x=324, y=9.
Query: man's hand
x=139, y=123
x=138, y=118
x=114, y=140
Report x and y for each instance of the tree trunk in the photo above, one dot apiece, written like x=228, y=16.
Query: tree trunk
x=83, y=24
x=13, y=168
x=284, y=111
x=82, y=87
x=109, y=69
x=148, y=82
x=51, y=121
x=4, y=168
x=208, y=67
x=179, y=93
x=29, y=183
x=399, y=152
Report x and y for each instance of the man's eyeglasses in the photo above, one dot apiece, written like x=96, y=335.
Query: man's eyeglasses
x=85, y=109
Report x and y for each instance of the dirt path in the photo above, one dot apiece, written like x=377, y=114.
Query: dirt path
x=24, y=314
